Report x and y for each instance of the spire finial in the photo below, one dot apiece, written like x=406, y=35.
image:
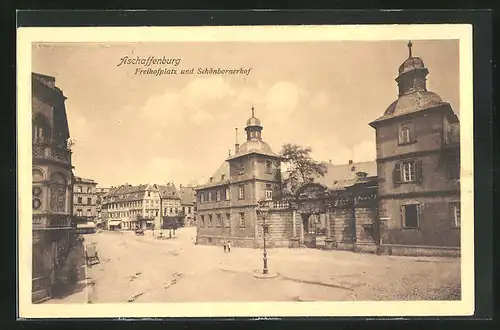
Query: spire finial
x=253, y=111
x=409, y=48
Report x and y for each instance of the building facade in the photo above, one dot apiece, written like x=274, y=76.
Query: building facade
x=131, y=207
x=418, y=159
x=227, y=203
x=100, y=193
x=145, y=206
x=407, y=202
x=84, y=203
x=188, y=204
x=53, y=230
x=171, y=212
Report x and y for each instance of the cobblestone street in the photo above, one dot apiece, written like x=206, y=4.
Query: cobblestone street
x=145, y=269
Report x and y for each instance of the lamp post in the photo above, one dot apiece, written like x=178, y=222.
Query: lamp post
x=265, y=228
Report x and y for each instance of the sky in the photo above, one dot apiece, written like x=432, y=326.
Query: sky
x=136, y=129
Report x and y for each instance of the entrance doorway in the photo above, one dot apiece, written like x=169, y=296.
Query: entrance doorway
x=314, y=228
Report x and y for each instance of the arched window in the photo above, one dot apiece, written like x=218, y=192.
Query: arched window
x=41, y=129
x=406, y=133
x=37, y=175
x=58, y=187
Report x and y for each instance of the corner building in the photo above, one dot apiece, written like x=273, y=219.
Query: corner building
x=52, y=186
x=418, y=166
x=227, y=204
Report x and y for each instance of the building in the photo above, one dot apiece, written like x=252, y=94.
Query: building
x=171, y=207
x=188, y=204
x=100, y=193
x=131, y=207
x=145, y=206
x=418, y=159
x=85, y=204
x=53, y=230
x=407, y=202
x=227, y=203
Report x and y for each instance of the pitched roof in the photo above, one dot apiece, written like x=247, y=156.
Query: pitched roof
x=342, y=176
x=188, y=195
x=221, y=176
x=168, y=191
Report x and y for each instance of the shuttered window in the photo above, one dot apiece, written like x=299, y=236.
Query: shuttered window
x=407, y=171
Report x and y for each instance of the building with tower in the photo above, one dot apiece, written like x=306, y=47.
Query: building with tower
x=52, y=186
x=407, y=202
x=418, y=165
x=227, y=203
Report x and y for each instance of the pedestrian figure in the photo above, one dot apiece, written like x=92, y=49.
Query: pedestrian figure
x=225, y=246
x=229, y=246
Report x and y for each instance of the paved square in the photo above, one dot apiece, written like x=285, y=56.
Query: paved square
x=145, y=269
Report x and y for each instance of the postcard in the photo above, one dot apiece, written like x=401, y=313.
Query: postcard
x=252, y=171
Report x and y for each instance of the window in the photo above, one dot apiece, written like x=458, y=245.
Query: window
x=149, y=194
x=156, y=213
x=89, y=212
x=219, y=220
x=89, y=190
x=80, y=189
x=269, y=192
x=170, y=210
x=79, y=212
x=242, y=220
x=209, y=196
x=202, y=197
x=210, y=223
x=241, y=168
x=228, y=220
x=454, y=166
x=269, y=167
x=218, y=195
x=241, y=194
x=407, y=171
x=202, y=221
x=189, y=209
x=228, y=194
x=89, y=201
x=410, y=215
x=455, y=214
x=406, y=134
x=79, y=200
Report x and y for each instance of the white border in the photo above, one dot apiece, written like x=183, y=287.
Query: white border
x=258, y=34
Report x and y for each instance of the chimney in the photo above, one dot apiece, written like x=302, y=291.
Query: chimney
x=236, y=145
x=211, y=178
x=330, y=161
x=229, y=152
x=222, y=177
x=350, y=161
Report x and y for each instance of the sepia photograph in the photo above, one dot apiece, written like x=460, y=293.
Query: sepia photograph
x=241, y=171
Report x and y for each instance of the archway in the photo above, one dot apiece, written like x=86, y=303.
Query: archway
x=311, y=205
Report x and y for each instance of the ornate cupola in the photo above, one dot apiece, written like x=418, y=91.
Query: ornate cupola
x=253, y=128
x=412, y=74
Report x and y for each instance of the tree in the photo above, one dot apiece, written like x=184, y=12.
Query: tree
x=302, y=168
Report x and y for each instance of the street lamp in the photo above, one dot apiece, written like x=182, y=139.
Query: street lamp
x=265, y=229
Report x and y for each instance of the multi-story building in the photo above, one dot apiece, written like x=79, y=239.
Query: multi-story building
x=53, y=230
x=100, y=193
x=131, y=207
x=406, y=202
x=418, y=157
x=171, y=208
x=84, y=203
x=227, y=203
x=144, y=206
x=188, y=204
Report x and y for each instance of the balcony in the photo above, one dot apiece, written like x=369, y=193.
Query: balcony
x=274, y=205
x=51, y=221
x=43, y=150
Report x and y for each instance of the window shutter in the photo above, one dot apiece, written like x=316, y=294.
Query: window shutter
x=396, y=174
x=418, y=170
x=402, y=215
